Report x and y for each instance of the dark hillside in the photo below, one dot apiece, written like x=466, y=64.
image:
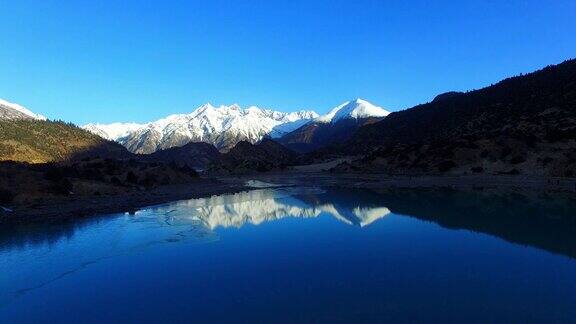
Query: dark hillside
x=316, y=135
x=247, y=157
x=521, y=125
x=196, y=155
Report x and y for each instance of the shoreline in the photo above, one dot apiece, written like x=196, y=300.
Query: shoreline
x=378, y=181
x=71, y=208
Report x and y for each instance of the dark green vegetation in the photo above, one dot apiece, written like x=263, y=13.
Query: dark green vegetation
x=521, y=125
x=38, y=141
x=196, y=155
x=246, y=157
x=22, y=183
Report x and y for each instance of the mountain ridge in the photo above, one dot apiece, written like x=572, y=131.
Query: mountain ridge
x=336, y=126
x=222, y=126
x=12, y=111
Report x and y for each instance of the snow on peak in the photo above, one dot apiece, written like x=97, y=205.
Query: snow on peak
x=112, y=131
x=221, y=126
x=355, y=109
x=20, y=109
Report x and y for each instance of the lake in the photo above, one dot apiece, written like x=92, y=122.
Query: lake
x=301, y=254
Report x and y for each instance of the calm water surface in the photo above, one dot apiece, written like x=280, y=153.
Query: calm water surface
x=301, y=255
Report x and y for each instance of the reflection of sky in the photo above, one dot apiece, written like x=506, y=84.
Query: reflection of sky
x=258, y=206
x=43, y=262
x=60, y=255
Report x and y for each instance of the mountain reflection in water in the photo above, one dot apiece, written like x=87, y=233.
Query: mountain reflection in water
x=255, y=207
x=546, y=221
x=297, y=228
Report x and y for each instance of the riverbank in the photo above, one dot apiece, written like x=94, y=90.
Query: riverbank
x=379, y=181
x=67, y=208
x=53, y=210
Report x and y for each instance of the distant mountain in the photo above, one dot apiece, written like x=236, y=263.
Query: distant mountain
x=335, y=127
x=264, y=156
x=521, y=125
x=222, y=127
x=113, y=131
x=39, y=141
x=12, y=111
x=354, y=109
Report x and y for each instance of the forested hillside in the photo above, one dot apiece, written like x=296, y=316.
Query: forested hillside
x=38, y=141
x=521, y=125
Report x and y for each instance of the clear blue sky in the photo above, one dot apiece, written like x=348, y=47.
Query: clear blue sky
x=103, y=61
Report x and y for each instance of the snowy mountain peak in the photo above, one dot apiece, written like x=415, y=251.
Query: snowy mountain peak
x=222, y=126
x=112, y=131
x=204, y=107
x=10, y=110
x=356, y=109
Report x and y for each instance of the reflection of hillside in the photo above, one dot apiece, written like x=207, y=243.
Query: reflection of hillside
x=545, y=221
x=259, y=206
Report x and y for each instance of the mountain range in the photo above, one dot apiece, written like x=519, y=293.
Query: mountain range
x=225, y=126
x=521, y=125
x=222, y=126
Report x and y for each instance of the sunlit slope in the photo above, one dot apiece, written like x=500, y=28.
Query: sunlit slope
x=38, y=141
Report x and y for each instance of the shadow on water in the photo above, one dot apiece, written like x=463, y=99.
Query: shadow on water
x=541, y=220
x=20, y=236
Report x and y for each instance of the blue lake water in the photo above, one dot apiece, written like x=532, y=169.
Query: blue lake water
x=301, y=255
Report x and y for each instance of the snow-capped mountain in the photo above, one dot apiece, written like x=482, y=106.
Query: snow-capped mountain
x=225, y=126
x=13, y=111
x=113, y=131
x=354, y=109
x=222, y=126
x=336, y=126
